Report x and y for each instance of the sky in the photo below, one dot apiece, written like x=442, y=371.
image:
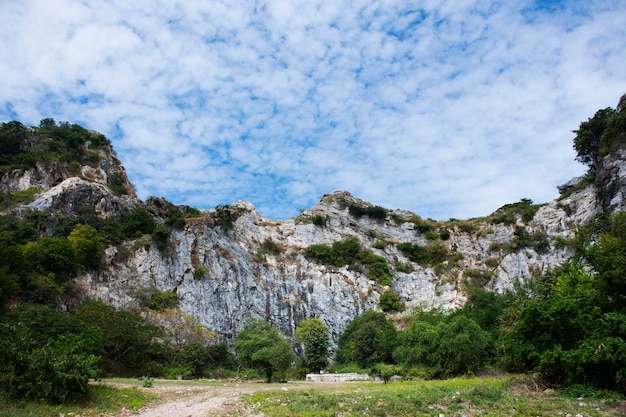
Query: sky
x=449, y=109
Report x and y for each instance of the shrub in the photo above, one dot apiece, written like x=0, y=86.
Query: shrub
x=380, y=244
x=320, y=220
x=428, y=255
x=57, y=372
x=117, y=184
x=537, y=240
x=405, y=267
x=368, y=339
x=201, y=271
x=160, y=235
x=431, y=235
x=477, y=278
x=375, y=212
x=423, y=226
x=268, y=246
x=507, y=213
x=138, y=222
x=492, y=262
x=160, y=300
x=390, y=302
x=224, y=215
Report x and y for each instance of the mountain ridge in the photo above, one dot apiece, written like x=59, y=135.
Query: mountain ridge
x=230, y=263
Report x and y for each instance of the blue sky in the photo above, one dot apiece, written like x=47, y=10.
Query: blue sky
x=444, y=108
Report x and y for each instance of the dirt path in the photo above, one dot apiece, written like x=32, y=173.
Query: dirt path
x=202, y=401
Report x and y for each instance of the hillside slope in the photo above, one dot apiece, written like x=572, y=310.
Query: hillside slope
x=230, y=263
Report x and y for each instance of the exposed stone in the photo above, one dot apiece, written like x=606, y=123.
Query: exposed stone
x=222, y=277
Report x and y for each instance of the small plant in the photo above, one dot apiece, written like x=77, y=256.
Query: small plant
x=268, y=246
x=380, y=244
x=507, y=214
x=422, y=225
x=406, y=267
x=390, y=302
x=157, y=300
x=432, y=235
x=428, y=255
x=148, y=382
x=200, y=272
x=224, y=216
x=319, y=220
x=492, y=262
x=477, y=278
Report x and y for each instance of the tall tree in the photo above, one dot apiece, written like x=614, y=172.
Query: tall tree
x=260, y=345
x=312, y=334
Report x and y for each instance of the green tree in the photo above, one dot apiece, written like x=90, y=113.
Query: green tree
x=138, y=222
x=588, y=140
x=128, y=344
x=11, y=134
x=56, y=372
x=455, y=345
x=87, y=245
x=572, y=329
x=260, y=345
x=51, y=256
x=368, y=339
x=312, y=334
x=194, y=357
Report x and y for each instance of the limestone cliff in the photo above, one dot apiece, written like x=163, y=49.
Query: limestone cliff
x=222, y=277
x=218, y=266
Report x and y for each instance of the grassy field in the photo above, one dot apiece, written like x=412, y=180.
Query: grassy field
x=103, y=400
x=470, y=397
x=459, y=397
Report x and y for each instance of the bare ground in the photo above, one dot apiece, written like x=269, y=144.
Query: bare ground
x=201, y=401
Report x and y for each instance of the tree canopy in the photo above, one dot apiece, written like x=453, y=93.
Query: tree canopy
x=260, y=345
x=312, y=334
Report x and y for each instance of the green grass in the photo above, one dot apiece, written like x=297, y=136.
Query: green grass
x=475, y=397
x=103, y=400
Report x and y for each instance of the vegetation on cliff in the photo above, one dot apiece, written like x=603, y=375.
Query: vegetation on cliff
x=568, y=325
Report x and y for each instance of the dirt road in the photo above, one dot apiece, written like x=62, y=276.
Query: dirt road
x=187, y=400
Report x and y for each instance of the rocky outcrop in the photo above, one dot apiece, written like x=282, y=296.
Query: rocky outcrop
x=611, y=181
x=222, y=274
x=222, y=277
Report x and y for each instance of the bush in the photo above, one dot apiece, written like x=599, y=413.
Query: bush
x=320, y=220
x=456, y=345
x=57, y=372
x=390, y=302
x=268, y=246
x=428, y=255
x=138, y=222
x=375, y=212
x=160, y=235
x=405, y=267
x=507, y=213
x=160, y=300
x=368, y=339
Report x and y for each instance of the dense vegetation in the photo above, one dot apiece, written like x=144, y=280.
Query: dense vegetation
x=349, y=252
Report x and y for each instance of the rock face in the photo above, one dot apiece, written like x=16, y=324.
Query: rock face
x=223, y=275
x=611, y=181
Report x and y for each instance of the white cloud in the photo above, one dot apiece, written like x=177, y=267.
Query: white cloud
x=449, y=110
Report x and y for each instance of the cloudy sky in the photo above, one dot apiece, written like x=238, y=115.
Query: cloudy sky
x=444, y=108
